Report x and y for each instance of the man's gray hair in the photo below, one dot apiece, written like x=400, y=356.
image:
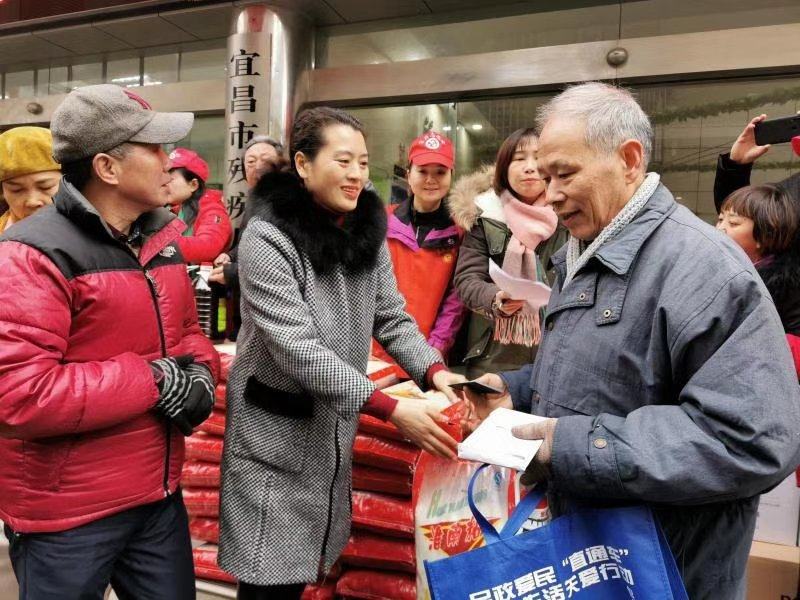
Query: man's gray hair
x=263, y=139
x=611, y=114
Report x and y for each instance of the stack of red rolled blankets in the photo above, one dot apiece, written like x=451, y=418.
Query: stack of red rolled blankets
x=201, y=483
x=378, y=562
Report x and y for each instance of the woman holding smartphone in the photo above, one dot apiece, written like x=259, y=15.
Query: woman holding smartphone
x=734, y=167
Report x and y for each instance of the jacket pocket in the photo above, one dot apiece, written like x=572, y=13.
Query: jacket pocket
x=480, y=348
x=587, y=393
x=273, y=426
x=44, y=460
x=278, y=402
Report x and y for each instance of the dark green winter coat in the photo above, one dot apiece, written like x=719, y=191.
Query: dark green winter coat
x=476, y=208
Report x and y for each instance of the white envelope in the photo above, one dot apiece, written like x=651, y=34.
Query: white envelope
x=493, y=443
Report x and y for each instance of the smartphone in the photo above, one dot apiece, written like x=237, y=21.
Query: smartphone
x=477, y=387
x=777, y=131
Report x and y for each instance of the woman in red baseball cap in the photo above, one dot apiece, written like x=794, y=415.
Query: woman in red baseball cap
x=208, y=230
x=424, y=242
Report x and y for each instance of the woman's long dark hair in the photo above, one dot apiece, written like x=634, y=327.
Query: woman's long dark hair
x=191, y=206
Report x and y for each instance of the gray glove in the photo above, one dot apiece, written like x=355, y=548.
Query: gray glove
x=539, y=469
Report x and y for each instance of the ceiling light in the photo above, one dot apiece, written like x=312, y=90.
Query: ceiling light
x=476, y=127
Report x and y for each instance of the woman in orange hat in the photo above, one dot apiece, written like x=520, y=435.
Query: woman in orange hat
x=208, y=230
x=28, y=174
x=424, y=242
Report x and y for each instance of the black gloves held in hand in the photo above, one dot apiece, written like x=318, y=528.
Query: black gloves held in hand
x=173, y=383
x=201, y=397
x=186, y=391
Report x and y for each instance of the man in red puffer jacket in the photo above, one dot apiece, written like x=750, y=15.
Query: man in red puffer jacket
x=102, y=363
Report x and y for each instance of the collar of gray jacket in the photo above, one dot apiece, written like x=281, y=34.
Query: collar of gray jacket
x=577, y=258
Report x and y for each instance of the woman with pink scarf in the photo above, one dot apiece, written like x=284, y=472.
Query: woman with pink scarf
x=503, y=209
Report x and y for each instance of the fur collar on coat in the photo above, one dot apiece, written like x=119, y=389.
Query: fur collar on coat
x=462, y=200
x=280, y=198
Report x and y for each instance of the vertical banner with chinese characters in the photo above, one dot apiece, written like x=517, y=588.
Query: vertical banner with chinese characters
x=246, y=110
x=267, y=52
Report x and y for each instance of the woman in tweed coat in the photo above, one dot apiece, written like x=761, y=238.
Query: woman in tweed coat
x=317, y=284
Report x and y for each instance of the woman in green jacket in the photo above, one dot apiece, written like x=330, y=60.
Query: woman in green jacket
x=503, y=209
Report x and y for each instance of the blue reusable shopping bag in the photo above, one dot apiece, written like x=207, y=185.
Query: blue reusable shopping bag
x=588, y=554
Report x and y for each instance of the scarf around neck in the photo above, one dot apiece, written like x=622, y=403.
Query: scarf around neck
x=576, y=259
x=530, y=224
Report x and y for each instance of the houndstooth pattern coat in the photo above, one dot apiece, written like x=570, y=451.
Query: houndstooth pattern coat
x=313, y=295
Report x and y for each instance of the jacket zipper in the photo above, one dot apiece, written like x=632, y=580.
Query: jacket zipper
x=330, y=490
x=151, y=284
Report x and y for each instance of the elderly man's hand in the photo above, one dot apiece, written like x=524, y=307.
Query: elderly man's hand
x=745, y=150
x=539, y=468
x=480, y=405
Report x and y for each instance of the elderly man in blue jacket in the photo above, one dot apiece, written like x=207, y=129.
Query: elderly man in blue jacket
x=663, y=367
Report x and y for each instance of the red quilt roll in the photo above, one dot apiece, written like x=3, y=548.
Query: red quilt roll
x=373, y=426
x=385, y=454
x=200, y=474
x=225, y=361
x=376, y=585
x=219, y=395
x=316, y=591
x=379, y=552
x=387, y=515
x=201, y=502
x=200, y=446
x=205, y=564
x=206, y=530
x=214, y=424
x=388, y=482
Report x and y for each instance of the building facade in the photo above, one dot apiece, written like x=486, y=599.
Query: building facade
x=471, y=69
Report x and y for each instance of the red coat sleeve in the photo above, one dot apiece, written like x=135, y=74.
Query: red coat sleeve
x=212, y=232
x=40, y=395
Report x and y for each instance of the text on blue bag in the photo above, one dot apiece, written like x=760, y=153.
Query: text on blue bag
x=588, y=567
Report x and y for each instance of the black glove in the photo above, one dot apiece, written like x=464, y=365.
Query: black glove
x=174, y=384
x=200, y=400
